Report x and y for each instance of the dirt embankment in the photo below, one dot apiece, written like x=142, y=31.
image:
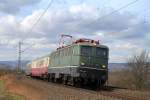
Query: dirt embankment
x=34, y=89
x=40, y=90
x=16, y=85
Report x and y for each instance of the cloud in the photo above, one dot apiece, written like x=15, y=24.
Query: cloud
x=9, y=25
x=123, y=32
x=125, y=46
x=14, y=6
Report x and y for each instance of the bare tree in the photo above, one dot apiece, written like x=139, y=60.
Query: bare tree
x=139, y=67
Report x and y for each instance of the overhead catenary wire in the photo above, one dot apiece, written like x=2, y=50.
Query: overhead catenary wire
x=100, y=18
x=41, y=16
x=123, y=7
x=101, y=9
x=38, y=20
x=28, y=47
x=119, y=9
x=31, y=29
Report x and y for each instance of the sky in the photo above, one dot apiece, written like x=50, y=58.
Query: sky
x=126, y=31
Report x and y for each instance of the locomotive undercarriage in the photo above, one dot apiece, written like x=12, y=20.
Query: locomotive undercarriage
x=78, y=77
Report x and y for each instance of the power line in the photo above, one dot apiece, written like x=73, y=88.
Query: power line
x=125, y=6
x=40, y=17
x=20, y=51
x=28, y=47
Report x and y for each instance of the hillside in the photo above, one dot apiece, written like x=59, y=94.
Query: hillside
x=13, y=64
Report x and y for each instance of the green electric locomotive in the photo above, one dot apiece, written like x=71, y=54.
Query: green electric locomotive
x=83, y=62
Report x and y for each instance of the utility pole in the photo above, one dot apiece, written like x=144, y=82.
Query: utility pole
x=19, y=57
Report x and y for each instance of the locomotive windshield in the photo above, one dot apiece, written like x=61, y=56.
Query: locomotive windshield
x=86, y=50
x=101, y=52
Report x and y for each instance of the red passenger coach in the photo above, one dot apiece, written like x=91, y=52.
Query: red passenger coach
x=39, y=67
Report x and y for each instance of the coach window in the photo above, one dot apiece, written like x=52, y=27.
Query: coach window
x=59, y=52
x=67, y=51
x=55, y=55
x=71, y=52
x=62, y=52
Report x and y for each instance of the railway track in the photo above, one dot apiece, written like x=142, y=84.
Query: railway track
x=121, y=96
x=107, y=91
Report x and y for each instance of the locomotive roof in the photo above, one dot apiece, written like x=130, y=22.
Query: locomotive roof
x=41, y=57
x=89, y=44
x=83, y=44
x=37, y=59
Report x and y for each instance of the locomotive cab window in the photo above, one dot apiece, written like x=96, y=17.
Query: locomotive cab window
x=86, y=50
x=101, y=52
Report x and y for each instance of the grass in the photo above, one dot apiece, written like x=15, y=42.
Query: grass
x=40, y=90
x=4, y=95
x=1, y=86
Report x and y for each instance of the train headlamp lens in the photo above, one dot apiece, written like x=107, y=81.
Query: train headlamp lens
x=82, y=64
x=103, y=66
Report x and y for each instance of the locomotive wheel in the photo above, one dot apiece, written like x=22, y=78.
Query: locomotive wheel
x=77, y=82
x=64, y=82
x=83, y=82
x=44, y=77
x=64, y=79
x=48, y=78
x=55, y=80
x=60, y=79
x=52, y=77
x=71, y=81
x=99, y=84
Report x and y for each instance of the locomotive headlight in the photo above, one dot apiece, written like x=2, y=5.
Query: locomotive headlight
x=82, y=64
x=103, y=66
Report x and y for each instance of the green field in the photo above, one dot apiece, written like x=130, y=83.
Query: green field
x=4, y=95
